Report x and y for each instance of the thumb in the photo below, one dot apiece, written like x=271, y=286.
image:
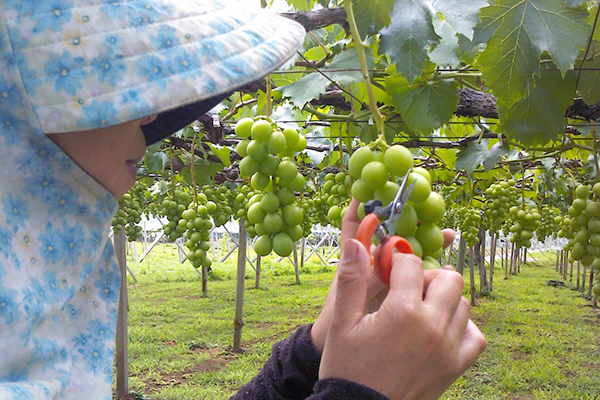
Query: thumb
x=352, y=282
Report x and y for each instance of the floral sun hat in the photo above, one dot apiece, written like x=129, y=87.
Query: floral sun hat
x=91, y=64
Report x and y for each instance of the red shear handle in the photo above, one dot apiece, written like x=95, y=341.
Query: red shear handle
x=365, y=232
x=383, y=256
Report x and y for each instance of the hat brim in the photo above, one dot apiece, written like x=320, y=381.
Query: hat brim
x=169, y=122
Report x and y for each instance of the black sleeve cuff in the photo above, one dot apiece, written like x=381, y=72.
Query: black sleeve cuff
x=342, y=389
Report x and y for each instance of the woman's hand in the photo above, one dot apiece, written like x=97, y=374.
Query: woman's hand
x=376, y=290
x=415, y=344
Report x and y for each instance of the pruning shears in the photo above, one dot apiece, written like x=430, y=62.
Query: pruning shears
x=383, y=230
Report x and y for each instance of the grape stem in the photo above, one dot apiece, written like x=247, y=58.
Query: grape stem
x=268, y=98
x=192, y=168
x=360, y=50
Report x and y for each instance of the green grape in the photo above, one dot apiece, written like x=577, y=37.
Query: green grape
x=398, y=160
x=243, y=127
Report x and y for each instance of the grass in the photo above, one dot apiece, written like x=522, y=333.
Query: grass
x=543, y=342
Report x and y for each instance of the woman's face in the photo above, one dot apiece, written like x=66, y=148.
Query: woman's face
x=109, y=155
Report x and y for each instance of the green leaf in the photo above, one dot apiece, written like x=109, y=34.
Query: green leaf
x=221, y=152
x=372, y=15
x=446, y=52
x=155, y=160
x=424, y=107
x=306, y=89
x=476, y=154
x=311, y=86
x=409, y=37
x=589, y=80
x=448, y=174
x=522, y=31
x=539, y=117
x=459, y=14
x=300, y=5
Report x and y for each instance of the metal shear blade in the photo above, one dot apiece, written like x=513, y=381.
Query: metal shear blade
x=397, y=205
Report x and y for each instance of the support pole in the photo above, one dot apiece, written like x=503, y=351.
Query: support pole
x=120, y=242
x=472, y=274
x=238, y=321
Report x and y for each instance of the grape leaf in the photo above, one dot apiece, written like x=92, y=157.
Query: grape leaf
x=408, y=37
x=539, y=117
x=222, y=152
x=522, y=31
x=300, y=5
x=446, y=52
x=313, y=85
x=372, y=15
x=315, y=138
x=154, y=159
x=423, y=107
x=476, y=154
x=589, y=80
x=459, y=14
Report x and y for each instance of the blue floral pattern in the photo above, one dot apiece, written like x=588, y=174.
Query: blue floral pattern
x=71, y=65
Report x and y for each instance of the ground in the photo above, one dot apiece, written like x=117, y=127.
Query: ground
x=543, y=341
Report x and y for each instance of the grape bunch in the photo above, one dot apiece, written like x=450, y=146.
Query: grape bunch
x=469, y=220
x=548, y=225
x=501, y=196
x=337, y=191
x=221, y=203
x=196, y=221
x=130, y=212
x=524, y=223
x=584, y=224
x=268, y=158
x=376, y=174
x=173, y=207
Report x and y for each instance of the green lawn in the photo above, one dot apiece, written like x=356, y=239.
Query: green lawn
x=543, y=342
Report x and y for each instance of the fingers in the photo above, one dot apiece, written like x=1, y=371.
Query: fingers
x=472, y=345
x=449, y=235
x=444, y=293
x=350, y=223
x=406, y=278
x=352, y=281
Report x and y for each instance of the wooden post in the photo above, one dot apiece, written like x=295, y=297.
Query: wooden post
x=557, y=257
x=566, y=261
x=302, y=251
x=238, y=321
x=472, y=275
x=482, y=282
x=296, y=269
x=583, y=279
x=591, y=283
x=460, y=258
x=204, y=281
x=257, y=277
x=120, y=242
x=571, y=273
x=578, y=274
x=492, y=258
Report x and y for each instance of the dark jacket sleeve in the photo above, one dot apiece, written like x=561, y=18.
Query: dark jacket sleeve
x=292, y=373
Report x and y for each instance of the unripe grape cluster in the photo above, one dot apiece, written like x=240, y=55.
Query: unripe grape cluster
x=525, y=222
x=582, y=226
x=337, y=192
x=131, y=208
x=469, y=221
x=197, y=223
x=548, y=225
x=268, y=158
x=377, y=174
x=501, y=196
x=224, y=202
x=173, y=207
